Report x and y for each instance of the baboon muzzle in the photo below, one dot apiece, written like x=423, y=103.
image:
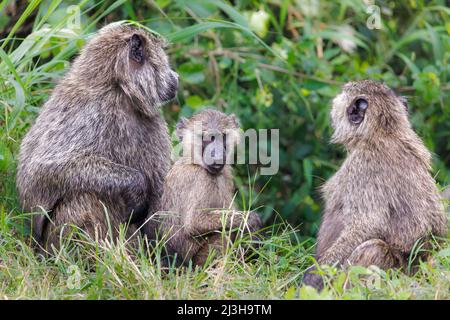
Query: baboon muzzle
x=214, y=156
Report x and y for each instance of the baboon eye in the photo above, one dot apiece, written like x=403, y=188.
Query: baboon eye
x=357, y=110
x=137, y=48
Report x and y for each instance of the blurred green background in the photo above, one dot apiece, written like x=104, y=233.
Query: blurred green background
x=275, y=64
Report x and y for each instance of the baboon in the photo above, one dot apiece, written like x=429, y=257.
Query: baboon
x=198, y=190
x=383, y=198
x=100, y=145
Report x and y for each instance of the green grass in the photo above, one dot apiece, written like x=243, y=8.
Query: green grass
x=272, y=270
x=282, y=74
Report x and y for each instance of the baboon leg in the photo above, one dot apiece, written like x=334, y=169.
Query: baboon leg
x=190, y=243
x=85, y=212
x=218, y=242
x=182, y=246
x=375, y=252
x=370, y=252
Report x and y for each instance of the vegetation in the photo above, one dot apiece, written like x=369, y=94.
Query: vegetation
x=276, y=64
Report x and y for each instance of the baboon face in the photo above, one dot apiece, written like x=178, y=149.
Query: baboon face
x=133, y=60
x=208, y=138
x=366, y=108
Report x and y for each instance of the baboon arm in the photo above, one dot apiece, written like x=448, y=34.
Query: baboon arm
x=56, y=180
x=80, y=175
x=204, y=222
x=90, y=174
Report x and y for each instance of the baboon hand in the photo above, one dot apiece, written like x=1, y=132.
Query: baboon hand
x=136, y=198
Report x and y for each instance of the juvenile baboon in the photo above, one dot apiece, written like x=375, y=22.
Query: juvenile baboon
x=383, y=198
x=198, y=188
x=100, y=143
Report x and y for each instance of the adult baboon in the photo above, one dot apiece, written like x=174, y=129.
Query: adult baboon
x=100, y=145
x=383, y=198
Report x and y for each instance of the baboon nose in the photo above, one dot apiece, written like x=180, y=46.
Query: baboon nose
x=175, y=78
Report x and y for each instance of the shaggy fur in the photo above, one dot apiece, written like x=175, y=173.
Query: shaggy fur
x=100, y=144
x=383, y=198
x=192, y=198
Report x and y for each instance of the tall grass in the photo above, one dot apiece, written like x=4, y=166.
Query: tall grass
x=107, y=270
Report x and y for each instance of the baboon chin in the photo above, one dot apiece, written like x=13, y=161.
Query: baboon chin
x=383, y=199
x=99, y=145
x=198, y=191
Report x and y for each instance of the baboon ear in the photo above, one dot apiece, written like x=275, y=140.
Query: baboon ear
x=357, y=110
x=234, y=121
x=181, y=125
x=137, y=48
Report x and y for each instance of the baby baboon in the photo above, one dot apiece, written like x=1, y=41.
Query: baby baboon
x=100, y=143
x=383, y=198
x=198, y=190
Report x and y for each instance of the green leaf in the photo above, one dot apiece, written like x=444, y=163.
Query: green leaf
x=29, y=9
x=6, y=158
x=192, y=73
x=307, y=171
x=290, y=293
x=444, y=253
x=414, y=69
x=194, y=101
x=192, y=31
x=230, y=11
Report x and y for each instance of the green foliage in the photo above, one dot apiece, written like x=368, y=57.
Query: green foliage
x=276, y=64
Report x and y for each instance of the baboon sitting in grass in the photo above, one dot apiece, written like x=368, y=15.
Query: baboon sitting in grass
x=383, y=199
x=198, y=191
x=100, y=145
